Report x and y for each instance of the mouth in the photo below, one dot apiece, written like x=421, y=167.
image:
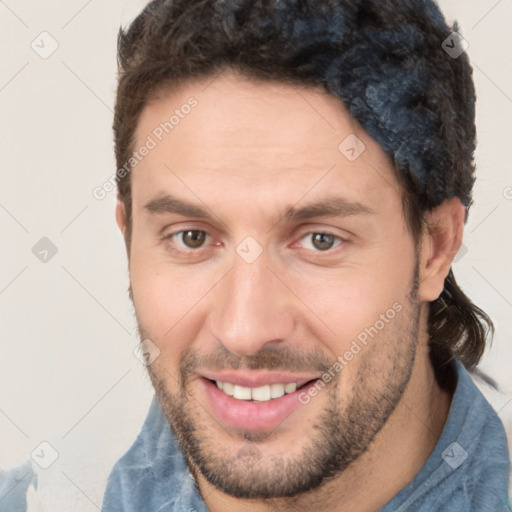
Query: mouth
x=261, y=393
x=259, y=408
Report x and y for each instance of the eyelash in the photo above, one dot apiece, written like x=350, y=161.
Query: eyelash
x=341, y=241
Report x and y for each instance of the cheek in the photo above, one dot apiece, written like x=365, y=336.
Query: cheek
x=358, y=303
x=168, y=301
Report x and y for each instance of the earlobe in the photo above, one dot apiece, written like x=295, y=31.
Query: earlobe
x=440, y=244
x=120, y=216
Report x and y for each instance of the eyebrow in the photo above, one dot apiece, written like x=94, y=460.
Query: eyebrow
x=329, y=207
x=170, y=204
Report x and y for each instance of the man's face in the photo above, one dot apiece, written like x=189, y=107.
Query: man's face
x=300, y=258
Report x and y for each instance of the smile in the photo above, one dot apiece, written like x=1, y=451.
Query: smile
x=258, y=394
x=256, y=408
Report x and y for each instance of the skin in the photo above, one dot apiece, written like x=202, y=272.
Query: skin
x=246, y=153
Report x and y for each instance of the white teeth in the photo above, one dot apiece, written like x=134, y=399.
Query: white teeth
x=260, y=394
x=290, y=388
x=227, y=387
x=276, y=390
x=242, y=393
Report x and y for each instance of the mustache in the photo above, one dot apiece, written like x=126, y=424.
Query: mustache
x=268, y=358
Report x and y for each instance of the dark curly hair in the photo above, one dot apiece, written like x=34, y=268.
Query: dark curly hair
x=383, y=59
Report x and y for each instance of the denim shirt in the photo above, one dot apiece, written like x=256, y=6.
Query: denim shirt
x=468, y=470
x=15, y=485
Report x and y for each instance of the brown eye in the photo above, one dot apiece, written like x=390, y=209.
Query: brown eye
x=193, y=238
x=323, y=241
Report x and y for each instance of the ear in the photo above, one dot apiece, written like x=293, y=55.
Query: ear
x=440, y=244
x=122, y=224
x=120, y=216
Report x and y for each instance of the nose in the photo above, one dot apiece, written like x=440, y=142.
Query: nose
x=252, y=307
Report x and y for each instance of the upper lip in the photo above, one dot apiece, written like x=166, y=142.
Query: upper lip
x=257, y=378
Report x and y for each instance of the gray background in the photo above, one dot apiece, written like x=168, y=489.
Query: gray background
x=67, y=372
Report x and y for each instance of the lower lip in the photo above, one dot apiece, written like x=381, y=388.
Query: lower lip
x=251, y=415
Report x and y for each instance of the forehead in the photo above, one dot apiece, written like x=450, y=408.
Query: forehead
x=260, y=139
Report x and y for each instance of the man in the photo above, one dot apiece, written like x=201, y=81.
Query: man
x=294, y=178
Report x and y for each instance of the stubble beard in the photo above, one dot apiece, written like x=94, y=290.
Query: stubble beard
x=340, y=434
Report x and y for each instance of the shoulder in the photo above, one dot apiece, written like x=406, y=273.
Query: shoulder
x=469, y=466
x=485, y=476
x=152, y=473
x=15, y=484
